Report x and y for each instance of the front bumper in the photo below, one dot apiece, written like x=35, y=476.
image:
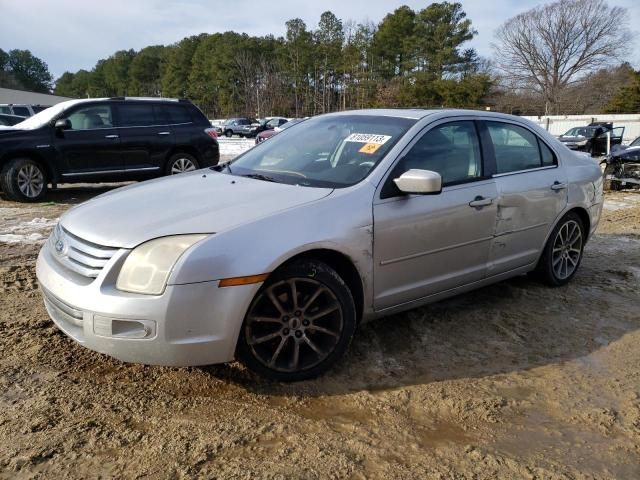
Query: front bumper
x=188, y=325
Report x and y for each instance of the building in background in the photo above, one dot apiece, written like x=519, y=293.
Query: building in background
x=9, y=95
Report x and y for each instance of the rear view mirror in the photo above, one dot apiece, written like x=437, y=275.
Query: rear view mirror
x=419, y=181
x=63, y=124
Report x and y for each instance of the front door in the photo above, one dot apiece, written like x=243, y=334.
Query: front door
x=532, y=192
x=426, y=244
x=92, y=144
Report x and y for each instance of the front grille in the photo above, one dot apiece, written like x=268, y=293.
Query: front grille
x=83, y=257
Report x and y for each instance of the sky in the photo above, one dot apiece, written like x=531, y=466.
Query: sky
x=73, y=34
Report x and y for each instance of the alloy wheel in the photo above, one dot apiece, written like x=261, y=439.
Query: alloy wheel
x=30, y=180
x=294, y=324
x=182, y=165
x=567, y=249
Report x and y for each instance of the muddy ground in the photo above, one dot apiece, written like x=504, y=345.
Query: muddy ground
x=516, y=380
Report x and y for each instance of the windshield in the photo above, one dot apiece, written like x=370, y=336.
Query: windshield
x=327, y=151
x=45, y=116
x=581, y=132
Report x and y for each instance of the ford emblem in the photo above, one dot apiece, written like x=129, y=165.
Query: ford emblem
x=59, y=246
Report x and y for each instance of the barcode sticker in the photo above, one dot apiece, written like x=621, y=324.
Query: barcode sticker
x=368, y=138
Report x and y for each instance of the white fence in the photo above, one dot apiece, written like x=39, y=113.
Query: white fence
x=235, y=146
x=558, y=124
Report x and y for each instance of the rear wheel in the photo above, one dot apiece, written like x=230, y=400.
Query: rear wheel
x=563, y=252
x=23, y=180
x=300, y=323
x=181, y=163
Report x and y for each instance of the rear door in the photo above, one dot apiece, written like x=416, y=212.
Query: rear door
x=92, y=145
x=532, y=192
x=145, y=135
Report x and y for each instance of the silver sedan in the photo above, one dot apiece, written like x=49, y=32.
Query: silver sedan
x=275, y=258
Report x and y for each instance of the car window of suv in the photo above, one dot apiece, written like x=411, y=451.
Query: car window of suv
x=135, y=115
x=92, y=116
x=21, y=111
x=5, y=110
x=179, y=114
x=451, y=149
x=516, y=148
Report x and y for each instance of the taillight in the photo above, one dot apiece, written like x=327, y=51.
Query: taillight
x=211, y=132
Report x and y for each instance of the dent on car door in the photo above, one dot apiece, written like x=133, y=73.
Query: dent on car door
x=532, y=192
x=425, y=244
x=92, y=144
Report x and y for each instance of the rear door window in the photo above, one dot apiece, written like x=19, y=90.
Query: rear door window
x=516, y=148
x=135, y=115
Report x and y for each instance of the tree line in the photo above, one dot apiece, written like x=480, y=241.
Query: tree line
x=562, y=57
x=411, y=58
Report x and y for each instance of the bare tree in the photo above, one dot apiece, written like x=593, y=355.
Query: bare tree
x=553, y=46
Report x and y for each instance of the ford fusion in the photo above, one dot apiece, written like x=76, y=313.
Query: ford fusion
x=275, y=258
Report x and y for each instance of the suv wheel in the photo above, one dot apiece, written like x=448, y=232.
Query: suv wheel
x=181, y=163
x=563, y=252
x=228, y=133
x=23, y=180
x=299, y=324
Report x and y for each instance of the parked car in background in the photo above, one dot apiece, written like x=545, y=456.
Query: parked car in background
x=99, y=140
x=622, y=167
x=238, y=126
x=268, y=124
x=266, y=134
x=9, y=120
x=276, y=257
x=593, y=138
x=21, y=109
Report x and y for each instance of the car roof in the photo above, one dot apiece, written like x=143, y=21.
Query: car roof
x=420, y=113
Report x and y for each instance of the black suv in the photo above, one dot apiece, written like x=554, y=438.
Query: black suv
x=104, y=140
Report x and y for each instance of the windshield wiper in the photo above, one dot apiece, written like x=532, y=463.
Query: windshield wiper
x=259, y=176
x=221, y=166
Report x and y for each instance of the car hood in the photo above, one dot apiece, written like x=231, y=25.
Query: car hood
x=199, y=202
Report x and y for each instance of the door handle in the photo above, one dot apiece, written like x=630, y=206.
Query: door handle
x=558, y=186
x=164, y=133
x=111, y=137
x=480, y=202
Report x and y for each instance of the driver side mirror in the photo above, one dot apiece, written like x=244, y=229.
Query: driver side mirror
x=423, y=182
x=63, y=124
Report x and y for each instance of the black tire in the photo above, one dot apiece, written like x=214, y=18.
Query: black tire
x=23, y=180
x=181, y=163
x=228, y=133
x=547, y=269
x=318, y=326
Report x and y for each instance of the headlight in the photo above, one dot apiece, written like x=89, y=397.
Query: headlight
x=147, y=268
x=582, y=143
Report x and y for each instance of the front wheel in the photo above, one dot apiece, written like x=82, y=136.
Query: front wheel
x=181, y=163
x=228, y=133
x=23, y=180
x=299, y=324
x=563, y=252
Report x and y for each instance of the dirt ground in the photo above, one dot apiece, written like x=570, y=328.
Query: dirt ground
x=516, y=380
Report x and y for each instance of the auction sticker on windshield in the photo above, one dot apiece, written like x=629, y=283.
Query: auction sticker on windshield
x=368, y=138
